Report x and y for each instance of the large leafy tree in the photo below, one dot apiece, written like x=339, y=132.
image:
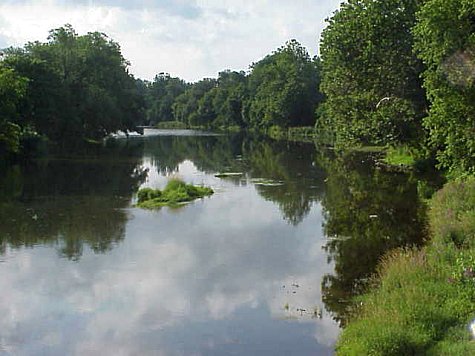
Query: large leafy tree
x=228, y=99
x=445, y=40
x=193, y=107
x=12, y=89
x=370, y=74
x=161, y=95
x=79, y=86
x=283, y=88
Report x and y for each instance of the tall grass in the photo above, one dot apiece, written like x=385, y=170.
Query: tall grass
x=423, y=300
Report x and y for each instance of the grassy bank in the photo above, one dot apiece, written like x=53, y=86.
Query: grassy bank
x=422, y=301
x=400, y=156
x=175, y=193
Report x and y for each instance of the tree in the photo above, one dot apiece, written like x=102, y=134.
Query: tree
x=283, y=88
x=445, y=41
x=191, y=107
x=370, y=74
x=12, y=89
x=79, y=86
x=228, y=99
x=161, y=95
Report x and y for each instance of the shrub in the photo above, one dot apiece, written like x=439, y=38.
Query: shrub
x=175, y=192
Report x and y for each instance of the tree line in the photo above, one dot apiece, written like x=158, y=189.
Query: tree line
x=67, y=89
x=279, y=90
x=392, y=73
x=402, y=72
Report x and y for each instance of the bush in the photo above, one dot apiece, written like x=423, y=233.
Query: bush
x=148, y=194
x=175, y=192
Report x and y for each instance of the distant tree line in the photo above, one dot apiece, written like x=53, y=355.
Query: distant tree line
x=391, y=73
x=279, y=90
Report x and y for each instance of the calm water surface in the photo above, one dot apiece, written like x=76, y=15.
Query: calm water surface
x=264, y=266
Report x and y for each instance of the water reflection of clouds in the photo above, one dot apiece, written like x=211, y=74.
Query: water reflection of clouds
x=203, y=280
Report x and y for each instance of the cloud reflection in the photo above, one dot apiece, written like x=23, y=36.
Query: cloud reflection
x=202, y=280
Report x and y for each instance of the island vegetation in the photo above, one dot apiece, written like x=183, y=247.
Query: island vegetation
x=393, y=74
x=176, y=192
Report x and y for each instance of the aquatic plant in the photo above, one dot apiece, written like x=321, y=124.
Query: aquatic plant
x=176, y=192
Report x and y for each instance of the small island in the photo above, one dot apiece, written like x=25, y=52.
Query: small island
x=176, y=192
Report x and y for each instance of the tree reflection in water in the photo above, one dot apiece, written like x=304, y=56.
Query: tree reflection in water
x=70, y=202
x=79, y=201
x=367, y=212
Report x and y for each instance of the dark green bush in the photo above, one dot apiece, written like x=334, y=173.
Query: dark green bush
x=175, y=192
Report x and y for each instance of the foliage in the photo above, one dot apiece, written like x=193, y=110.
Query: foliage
x=78, y=86
x=227, y=99
x=424, y=299
x=283, y=88
x=175, y=192
x=370, y=74
x=192, y=107
x=160, y=95
x=400, y=156
x=445, y=41
x=12, y=90
x=452, y=214
x=367, y=212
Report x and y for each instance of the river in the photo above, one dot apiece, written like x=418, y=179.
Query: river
x=267, y=265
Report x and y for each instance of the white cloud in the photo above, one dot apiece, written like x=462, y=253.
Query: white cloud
x=188, y=39
x=183, y=276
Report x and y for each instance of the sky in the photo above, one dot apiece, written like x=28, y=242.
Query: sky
x=191, y=39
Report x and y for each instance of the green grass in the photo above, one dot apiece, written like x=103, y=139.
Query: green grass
x=399, y=156
x=423, y=300
x=175, y=193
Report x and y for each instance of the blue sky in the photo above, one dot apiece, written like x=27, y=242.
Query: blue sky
x=191, y=39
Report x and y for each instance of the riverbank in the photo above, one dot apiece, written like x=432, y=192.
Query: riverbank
x=422, y=301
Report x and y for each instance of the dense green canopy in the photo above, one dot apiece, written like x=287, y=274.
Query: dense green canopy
x=378, y=58
x=445, y=40
x=279, y=90
x=12, y=90
x=79, y=87
x=370, y=74
x=284, y=88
